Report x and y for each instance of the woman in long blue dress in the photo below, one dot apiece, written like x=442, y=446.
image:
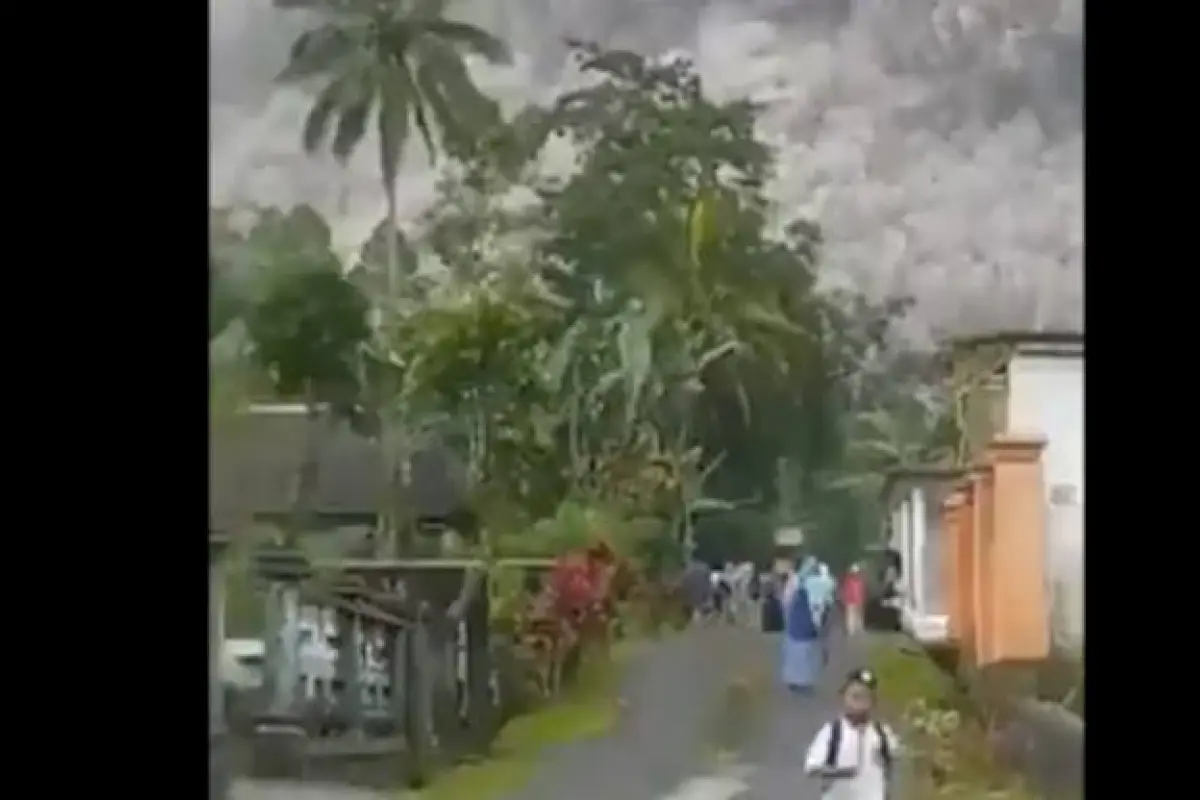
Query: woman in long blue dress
x=802, y=658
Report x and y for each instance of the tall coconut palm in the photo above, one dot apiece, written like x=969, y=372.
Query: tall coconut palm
x=401, y=63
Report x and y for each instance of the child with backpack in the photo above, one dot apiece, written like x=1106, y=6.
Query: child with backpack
x=853, y=754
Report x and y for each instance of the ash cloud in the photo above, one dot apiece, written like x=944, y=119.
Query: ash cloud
x=938, y=142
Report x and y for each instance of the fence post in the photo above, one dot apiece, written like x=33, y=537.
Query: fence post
x=398, y=677
x=440, y=635
x=279, y=737
x=218, y=761
x=416, y=697
x=348, y=669
x=481, y=709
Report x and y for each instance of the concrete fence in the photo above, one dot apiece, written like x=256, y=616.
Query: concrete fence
x=410, y=683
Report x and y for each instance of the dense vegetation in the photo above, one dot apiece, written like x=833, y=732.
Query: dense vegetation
x=631, y=349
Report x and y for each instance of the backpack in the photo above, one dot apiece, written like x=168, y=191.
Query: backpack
x=835, y=744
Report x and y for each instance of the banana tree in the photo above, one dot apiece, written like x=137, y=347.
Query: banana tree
x=882, y=439
x=473, y=354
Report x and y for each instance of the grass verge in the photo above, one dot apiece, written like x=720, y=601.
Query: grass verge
x=588, y=709
x=944, y=736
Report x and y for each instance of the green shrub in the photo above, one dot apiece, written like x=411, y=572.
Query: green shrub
x=944, y=735
x=587, y=709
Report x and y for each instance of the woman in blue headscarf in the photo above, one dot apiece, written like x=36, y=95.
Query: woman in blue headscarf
x=802, y=657
x=821, y=590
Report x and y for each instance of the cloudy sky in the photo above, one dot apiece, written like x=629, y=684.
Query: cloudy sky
x=938, y=142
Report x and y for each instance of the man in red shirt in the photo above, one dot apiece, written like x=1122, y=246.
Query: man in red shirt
x=853, y=597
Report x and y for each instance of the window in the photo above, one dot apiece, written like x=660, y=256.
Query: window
x=250, y=661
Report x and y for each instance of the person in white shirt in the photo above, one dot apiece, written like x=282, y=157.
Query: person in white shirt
x=853, y=754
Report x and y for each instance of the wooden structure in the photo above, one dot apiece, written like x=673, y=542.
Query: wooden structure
x=427, y=695
x=424, y=622
x=255, y=461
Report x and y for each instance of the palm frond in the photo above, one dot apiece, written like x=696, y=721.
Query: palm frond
x=877, y=449
x=472, y=39
x=455, y=104
x=878, y=424
x=316, y=123
x=317, y=52
x=351, y=127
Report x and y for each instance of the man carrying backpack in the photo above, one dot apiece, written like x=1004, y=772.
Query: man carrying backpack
x=853, y=754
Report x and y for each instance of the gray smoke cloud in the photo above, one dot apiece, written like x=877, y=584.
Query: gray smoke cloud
x=938, y=142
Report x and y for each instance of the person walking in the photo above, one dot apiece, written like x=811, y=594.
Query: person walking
x=697, y=589
x=722, y=596
x=854, y=597
x=822, y=591
x=853, y=754
x=771, y=608
x=801, y=657
x=891, y=600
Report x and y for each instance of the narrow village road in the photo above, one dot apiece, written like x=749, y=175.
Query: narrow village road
x=703, y=718
x=707, y=721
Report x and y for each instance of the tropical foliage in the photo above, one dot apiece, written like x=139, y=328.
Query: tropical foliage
x=625, y=350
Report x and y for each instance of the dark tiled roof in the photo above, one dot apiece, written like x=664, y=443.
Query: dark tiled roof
x=1048, y=337
x=254, y=463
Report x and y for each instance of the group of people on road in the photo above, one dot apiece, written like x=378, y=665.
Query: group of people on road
x=722, y=594
x=852, y=754
x=806, y=605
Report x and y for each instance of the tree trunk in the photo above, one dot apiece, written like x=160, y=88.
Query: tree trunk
x=305, y=488
x=393, y=535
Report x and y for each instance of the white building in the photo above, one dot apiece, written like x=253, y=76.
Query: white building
x=1035, y=386
x=1045, y=395
x=915, y=497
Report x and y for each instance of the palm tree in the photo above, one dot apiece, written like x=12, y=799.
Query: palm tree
x=402, y=63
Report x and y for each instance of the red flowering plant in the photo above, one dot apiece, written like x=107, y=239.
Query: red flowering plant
x=575, y=608
x=580, y=585
x=545, y=639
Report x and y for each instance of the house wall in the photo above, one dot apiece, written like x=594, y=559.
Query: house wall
x=916, y=536
x=1046, y=396
x=931, y=559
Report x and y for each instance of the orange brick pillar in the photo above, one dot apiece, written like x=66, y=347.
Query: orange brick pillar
x=951, y=533
x=968, y=527
x=1017, y=557
x=981, y=565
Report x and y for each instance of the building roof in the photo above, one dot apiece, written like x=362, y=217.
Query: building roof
x=1053, y=339
x=900, y=478
x=254, y=463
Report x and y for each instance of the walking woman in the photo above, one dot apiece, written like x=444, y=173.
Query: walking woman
x=771, y=612
x=822, y=591
x=801, y=657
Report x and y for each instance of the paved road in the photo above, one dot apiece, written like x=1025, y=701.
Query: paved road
x=770, y=764
x=703, y=719
x=673, y=700
x=691, y=737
